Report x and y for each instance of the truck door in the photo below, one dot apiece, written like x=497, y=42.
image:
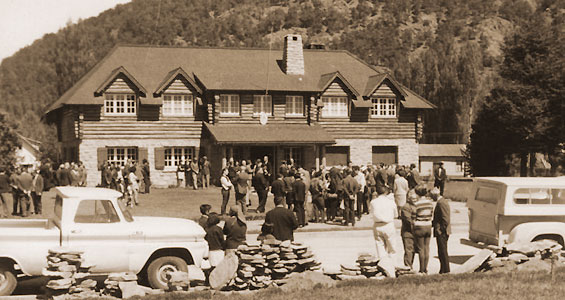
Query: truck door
x=483, y=214
x=98, y=232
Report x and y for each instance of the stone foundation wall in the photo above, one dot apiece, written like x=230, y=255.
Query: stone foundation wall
x=361, y=151
x=159, y=178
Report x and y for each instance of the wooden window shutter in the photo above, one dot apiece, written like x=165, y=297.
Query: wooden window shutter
x=159, y=158
x=102, y=155
x=142, y=154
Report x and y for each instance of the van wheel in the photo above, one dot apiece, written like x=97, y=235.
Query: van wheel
x=159, y=268
x=8, y=281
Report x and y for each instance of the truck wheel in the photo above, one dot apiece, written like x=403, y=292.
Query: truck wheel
x=158, y=269
x=8, y=281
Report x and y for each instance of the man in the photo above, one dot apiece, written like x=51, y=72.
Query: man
x=261, y=185
x=4, y=192
x=37, y=191
x=242, y=187
x=423, y=227
x=82, y=174
x=16, y=208
x=351, y=188
x=205, y=172
x=277, y=188
x=267, y=169
x=361, y=200
x=316, y=190
x=24, y=182
x=283, y=220
x=441, y=224
x=226, y=187
x=288, y=189
x=194, y=170
x=187, y=172
x=383, y=211
x=407, y=213
x=381, y=176
x=63, y=175
x=413, y=177
x=400, y=189
x=146, y=175
x=299, y=188
x=440, y=177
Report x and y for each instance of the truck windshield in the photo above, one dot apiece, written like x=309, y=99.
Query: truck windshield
x=125, y=211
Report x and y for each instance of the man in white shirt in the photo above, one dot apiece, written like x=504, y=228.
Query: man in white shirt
x=383, y=212
x=361, y=200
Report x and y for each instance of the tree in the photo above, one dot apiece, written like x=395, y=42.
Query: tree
x=522, y=114
x=9, y=142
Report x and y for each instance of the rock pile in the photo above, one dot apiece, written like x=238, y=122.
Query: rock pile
x=178, y=281
x=121, y=285
x=538, y=255
x=67, y=274
x=271, y=263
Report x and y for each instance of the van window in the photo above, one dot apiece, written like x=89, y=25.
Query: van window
x=96, y=211
x=59, y=207
x=486, y=194
x=539, y=196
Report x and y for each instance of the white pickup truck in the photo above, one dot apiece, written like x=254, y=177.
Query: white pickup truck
x=94, y=221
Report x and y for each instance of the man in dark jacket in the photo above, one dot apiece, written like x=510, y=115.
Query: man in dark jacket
x=4, y=192
x=242, y=187
x=351, y=188
x=440, y=177
x=288, y=189
x=283, y=220
x=277, y=188
x=24, y=183
x=299, y=188
x=261, y=185
x=441, y=224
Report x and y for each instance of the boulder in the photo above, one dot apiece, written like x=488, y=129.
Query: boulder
x=386, y=265
x=474, y=262
x=130, y=289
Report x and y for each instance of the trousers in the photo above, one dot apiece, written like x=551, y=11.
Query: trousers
x=422, y=235
x=225, y=200
x=300, y=214
x=442, y=252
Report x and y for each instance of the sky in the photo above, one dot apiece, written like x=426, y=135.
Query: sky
x=24, y=21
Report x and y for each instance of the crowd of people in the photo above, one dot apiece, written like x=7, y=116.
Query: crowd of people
x=129, y=179
x=24, y=186
x=194, y=173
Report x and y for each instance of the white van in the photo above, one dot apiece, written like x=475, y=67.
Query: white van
x=514, y=209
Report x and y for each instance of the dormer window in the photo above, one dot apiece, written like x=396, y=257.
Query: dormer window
x=335, y=107
x=178, y=105
x=120, y=104
x=383, y=107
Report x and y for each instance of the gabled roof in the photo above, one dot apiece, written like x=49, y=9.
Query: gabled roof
x=327, y=79
x=171, y=76
x=437, y=150
x=221, y=69
x=113, y=75
x=409, y=98
x=375, y=81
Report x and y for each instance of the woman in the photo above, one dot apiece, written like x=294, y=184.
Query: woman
x=133, y=187
x=235, y=229
x=226, y=187
x=215, y=238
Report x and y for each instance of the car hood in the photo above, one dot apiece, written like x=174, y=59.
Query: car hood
x=169, y=228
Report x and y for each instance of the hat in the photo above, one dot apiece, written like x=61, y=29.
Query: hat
x=235, y=210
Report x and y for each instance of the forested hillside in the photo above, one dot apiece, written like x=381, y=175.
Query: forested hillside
x=446, y=50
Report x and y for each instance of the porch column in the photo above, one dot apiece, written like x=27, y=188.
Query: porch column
x=317, y=156
x=224, y=157
x=323, y=156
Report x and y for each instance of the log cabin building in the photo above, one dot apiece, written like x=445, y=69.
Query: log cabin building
x=168, y=104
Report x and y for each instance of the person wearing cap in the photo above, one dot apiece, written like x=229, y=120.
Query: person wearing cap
x=235, y=228
x=440, y=177
x=283, y=220
x=441, y=224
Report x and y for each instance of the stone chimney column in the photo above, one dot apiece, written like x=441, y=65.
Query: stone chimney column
x=293, y=57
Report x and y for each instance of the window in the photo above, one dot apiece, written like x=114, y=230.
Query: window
x=178, y=105
x=229, y=105
x=262, y=104
x=383, y=107
x=119, y=104
x=337, y=155
x=485, y=194
x=335, y=107
x=384, y=154
x=175, y=156
x=539, y=196
x=294, y=106
x=96, y=211
x=120, y=155
x=295, y=153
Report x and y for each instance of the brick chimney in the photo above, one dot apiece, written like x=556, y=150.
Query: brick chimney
x=293, y=57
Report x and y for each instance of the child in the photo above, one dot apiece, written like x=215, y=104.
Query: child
x=266, y=232
x=204, y=210
x=215, y=238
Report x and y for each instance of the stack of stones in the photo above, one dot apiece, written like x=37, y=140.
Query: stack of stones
x=115, y=282
x=270, y=263
x=178, y=281
x=67, y=273
x=368, y=265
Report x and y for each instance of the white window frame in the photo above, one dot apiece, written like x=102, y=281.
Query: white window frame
x=178, y=105
x=294, y=106
x=117, y=104
x=383, y=107
x=335, y=107
x=174, y=156
x=120, y=155
x=262, y=104
x=229, y=105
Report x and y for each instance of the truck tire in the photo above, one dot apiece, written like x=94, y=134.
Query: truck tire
x=158, y=269
x=8, y=281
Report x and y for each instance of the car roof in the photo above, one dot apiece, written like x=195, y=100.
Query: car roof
x=526, y=181
x=87, y=192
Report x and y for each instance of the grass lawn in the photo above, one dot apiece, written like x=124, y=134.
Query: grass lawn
x=516, y=286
